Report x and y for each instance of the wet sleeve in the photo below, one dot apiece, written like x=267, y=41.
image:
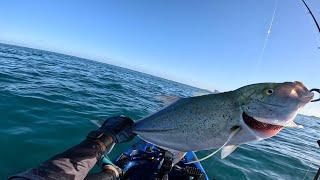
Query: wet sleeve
x=74, y=163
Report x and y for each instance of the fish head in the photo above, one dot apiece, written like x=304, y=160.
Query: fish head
x=269, y=107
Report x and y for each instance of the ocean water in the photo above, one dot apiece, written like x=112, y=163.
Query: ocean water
x=48, y=100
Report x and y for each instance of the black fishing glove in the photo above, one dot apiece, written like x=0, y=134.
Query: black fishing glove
x=118, y=127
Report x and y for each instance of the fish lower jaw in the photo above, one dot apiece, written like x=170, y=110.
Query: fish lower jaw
x=261, y=128
x=288, y=123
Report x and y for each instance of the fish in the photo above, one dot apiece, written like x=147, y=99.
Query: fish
x=225, y=120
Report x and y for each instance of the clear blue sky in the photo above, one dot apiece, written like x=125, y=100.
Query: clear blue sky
x=209, y=44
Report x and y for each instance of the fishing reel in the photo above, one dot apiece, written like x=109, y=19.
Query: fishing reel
x=153, y=163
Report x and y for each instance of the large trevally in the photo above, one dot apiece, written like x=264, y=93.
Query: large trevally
x=250, y=113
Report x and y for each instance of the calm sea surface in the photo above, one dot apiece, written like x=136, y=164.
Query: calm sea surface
x=47, y=101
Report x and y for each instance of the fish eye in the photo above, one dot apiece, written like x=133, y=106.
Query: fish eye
x=269, y=91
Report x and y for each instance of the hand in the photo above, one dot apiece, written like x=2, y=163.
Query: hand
x=119, y=128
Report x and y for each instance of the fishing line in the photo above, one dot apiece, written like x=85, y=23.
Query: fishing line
x=307, y=171
x=310, y=163
x=268, y=34
x=95, y=123
x=233, y=133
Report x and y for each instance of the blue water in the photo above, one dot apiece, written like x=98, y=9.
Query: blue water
x=47, y=101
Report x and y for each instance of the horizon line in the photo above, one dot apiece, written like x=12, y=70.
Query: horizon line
x=104, y=62
x=21, y=45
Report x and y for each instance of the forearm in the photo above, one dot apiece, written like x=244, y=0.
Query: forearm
x=74, y=163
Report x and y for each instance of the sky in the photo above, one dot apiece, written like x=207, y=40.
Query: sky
x=210, y=44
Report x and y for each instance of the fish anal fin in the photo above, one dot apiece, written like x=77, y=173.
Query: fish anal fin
x=227, y=150
x=176, y=155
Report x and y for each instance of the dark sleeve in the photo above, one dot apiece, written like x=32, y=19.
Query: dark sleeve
x=74, y=163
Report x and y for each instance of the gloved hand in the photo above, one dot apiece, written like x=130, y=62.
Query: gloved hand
x=119, y=128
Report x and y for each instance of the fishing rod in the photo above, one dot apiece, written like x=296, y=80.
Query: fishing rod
x=314, y=19
x=314, y=90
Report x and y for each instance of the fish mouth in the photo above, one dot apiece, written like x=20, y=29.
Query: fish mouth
x=307, y=98
x=261, y=127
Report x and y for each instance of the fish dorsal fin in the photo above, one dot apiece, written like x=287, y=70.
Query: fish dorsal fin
x=227, y=150
x=232, y=134
x=200, y=93
x=167, y=99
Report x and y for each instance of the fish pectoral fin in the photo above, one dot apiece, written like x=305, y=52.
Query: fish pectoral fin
x=292, y=124
x=227, y=150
